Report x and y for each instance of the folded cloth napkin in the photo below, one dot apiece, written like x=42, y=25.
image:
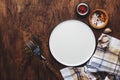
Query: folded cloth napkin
x=105, y=59
x=107, y=55
x=76, y=73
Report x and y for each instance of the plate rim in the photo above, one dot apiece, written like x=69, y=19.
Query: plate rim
x=78, y=64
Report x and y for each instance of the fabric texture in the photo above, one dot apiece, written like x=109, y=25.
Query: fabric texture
x=107, y=57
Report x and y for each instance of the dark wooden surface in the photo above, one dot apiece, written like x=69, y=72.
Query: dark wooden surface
x=19, y=19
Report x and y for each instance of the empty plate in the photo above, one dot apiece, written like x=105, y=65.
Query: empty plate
x=72, y=43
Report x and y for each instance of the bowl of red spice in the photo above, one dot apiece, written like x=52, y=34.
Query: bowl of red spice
x=82, y=9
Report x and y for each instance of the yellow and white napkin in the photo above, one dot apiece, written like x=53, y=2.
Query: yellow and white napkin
x=107, y=57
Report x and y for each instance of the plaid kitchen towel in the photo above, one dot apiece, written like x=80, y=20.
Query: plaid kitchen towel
x=76, y=73
x=82, y=73
x=107, y=55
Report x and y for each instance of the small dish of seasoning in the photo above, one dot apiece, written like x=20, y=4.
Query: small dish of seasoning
x=98, y=19
x=82, y=9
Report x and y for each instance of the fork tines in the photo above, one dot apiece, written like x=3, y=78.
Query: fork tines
x=31, y=45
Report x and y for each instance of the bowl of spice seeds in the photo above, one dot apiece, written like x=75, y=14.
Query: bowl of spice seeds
x=98, y=18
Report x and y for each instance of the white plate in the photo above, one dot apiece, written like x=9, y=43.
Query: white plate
x=72, y=43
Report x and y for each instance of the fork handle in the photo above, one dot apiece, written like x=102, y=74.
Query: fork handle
x=53, y=70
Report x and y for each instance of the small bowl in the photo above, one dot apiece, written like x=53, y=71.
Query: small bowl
x=82, y=9
x=98, y=19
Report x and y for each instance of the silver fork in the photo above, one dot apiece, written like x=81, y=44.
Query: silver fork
x=36, y=51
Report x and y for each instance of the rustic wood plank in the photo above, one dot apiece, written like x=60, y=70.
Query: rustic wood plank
x=20, y=19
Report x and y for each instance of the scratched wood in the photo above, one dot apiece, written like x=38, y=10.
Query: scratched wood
x=20, y=19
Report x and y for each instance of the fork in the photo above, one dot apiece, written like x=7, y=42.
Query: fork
x=37, y=51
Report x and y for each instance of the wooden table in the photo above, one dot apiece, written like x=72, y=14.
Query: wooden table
x=20, y=19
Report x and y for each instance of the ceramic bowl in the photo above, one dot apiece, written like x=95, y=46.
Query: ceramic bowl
x=82, y=9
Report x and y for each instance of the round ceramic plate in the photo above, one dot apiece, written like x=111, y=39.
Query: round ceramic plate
x=72, y=43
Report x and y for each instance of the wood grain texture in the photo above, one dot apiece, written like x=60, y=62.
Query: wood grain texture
x=20, y=19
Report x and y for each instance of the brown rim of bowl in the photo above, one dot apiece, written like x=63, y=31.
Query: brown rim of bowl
x=106, y=21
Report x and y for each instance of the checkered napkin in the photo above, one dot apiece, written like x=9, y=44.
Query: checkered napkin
x=76, y=73
x=105, y=59
x=107, y=55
